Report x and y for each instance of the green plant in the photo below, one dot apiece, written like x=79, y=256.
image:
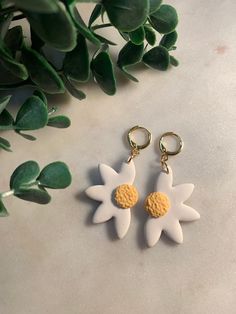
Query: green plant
x=57, y=24
x=29, y=183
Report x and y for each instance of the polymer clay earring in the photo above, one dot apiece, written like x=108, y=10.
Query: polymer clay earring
x=165, y=205
x=118, y=194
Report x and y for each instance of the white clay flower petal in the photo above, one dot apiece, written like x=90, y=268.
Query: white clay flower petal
x=103, y=213
x=187, y=213
x=174, y=231
x=107, y=173
x=152, y=231
x=183, y=191
x=122, y=222
x=164, y=182
x=96, y=192
x=127, y=172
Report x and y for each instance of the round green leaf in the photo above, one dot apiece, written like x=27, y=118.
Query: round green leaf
x=127, y=15
x=154, y=5
x=150, y=35
x=76, y=62
x=4, y=144
x=41, y=6
x=137, y=36
x=103, y=72
x=130, y=54
x=157, y=58
x=165, y=19
x=11, y=64
x=55, y=29
x=41, y=95
x=174, y=61
x=72, y=89
x=41, y=72
x=169, y=40
x=60, y=122
x=4, y=102
x=6, y=119
x=39, y=196
x=24, y=175
x=3, y=210
x=55, y=176
x=32, y=115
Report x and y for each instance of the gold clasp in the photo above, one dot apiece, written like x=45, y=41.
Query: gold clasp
x=165, y=153
x=135, y=148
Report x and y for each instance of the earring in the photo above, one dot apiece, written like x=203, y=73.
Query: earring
x=118, y=194
x=166, y=205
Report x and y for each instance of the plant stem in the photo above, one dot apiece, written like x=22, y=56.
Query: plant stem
x=101, y=26
x=6, y=194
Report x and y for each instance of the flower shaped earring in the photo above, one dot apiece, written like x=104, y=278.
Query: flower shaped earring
x=165, y=205
x=118, y=194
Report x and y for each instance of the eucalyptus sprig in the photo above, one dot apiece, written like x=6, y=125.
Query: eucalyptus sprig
x=59, y=24
x=32, y=115
x=29, y=183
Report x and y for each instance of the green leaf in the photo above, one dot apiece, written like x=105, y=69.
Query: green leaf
x=157, y=58
x=4, y=144
x=24, y=175
x=130, y=54
x=76, y=62
x=32, y=115
x=4, y=102
x=6, y=120
x=95, y=14
x=81, y=26
x=14, y=39
x=11, y=64
x=154, y=5
x=165, y=19
x=39, y=196
x=103, y=72
x=5, y=21
x=174, y=61
x=41, y=95
x=127, y=15
x=150, y=35
x=42, y=6
x=137, y=36
x=55, y=29
x=59, y=122
x=72, y=89
x=55, y=176
x=3, y=210
x=41, y=72
x=26, y=136
x=169, y=40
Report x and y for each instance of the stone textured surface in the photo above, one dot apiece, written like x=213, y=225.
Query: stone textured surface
x=53, y=260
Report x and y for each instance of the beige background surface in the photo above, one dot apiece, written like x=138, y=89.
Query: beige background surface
x=53, y=260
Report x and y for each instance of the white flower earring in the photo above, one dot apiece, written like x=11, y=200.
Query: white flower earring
x=118, y=194
x=165, y=205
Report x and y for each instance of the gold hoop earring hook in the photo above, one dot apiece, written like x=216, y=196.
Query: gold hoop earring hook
x=165, y=153
x=135, y=148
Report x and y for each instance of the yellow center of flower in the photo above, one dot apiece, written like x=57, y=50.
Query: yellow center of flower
x=126, y=195
x=157, y=204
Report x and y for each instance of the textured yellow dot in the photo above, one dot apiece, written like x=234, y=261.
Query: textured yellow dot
x=126, y=196
x=157, y=204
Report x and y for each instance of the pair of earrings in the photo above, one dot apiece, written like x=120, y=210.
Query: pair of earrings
x=165, y=205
